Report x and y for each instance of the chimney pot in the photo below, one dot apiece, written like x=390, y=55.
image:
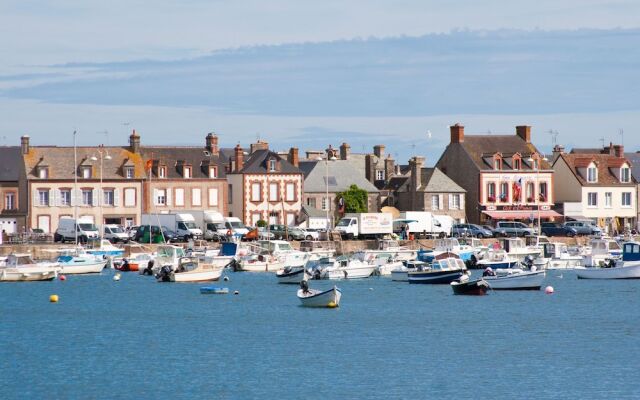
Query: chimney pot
x=378, y=150
x=524, y=131
x=457, y=133
x=618, y=150
x=239, y=158
x=345, y=151
x=212, y=143
x=293, y=157
x=24, y=144
x=134, y=142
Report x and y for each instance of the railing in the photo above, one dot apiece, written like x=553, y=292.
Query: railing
x=24, y=238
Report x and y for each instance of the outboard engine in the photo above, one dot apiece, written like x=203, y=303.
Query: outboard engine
x=317, y=274
x=304, y=285
x=528, y=261
x=125, y=265
x=149, y=269
x=164, y=275
x=488, y=272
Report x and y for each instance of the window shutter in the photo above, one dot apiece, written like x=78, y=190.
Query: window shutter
x=155, y=197
x=55, y=200
x=116, y=197
x=461, y=196
x=168, y=194
x=441, y=201
x=450, y=196
x=36, y=198
x=97, y=200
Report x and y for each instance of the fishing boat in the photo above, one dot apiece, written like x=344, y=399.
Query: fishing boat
x=105, y=248
x=138, y=257
x=260, y=263
x=446, y=246
x=477, y=287
x=401, y=274
x=445, y=268
x=518, y=249
x=557, y=255
x=344, y=268
x=22, y=268
x=626, y=268
x=319, y=298
x=497, y=259
x=514, y=279
x=385, y=263
x=190, y=269
x=292, y=275
x=601, y=251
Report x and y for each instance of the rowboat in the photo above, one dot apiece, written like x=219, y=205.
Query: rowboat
x=319, y=298
x=477, y=287
x=514, y=279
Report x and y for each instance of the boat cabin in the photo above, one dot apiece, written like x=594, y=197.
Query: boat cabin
x=605, y=246
x=17, y=260
x=447, y=244
x=512, y=245
x=631, y=251
x=169, y=253
x=275, y=246
x=536, y=240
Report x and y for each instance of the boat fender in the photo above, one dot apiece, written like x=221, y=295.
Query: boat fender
x=229, y=233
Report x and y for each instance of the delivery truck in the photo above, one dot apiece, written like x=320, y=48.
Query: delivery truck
x=365, y=225
x=183, y=224
x=423, y=224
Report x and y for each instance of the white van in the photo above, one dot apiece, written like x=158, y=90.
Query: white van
x=235, y=225
x=66, y=231
x=115, y=234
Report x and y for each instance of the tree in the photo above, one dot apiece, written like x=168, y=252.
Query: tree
x=261, y=223
x=355, y=200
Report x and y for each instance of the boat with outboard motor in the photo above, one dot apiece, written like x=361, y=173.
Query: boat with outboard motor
x=465, y=286
x=628, y=267
x=497, y=258
x=190, y=269
x=292, y=275
x=319, y=298
x=445, y=268
x=21, y=268
x=447, y=245
x=342, y=267
x=601, y=251
x=514, y=278
x=401, y=273
x=557, y=255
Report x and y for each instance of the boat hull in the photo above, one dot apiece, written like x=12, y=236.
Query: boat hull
x=516, y=281
x=351, y=273
x=400, y=276
x=87, y=268
x=28, y=274
x=316, y=298
x=260, y=266
x=295, y=275
x=624, y=272
x=434, y=277
x=197, y=276
x=472, y=288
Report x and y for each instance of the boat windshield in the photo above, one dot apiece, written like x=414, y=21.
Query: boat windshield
x=613, y=245
x=165, y=251
x=20, y=260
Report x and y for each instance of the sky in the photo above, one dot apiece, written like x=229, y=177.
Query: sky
x=311, y=74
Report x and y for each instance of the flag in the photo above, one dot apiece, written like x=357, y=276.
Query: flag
x=341, y=205
x=517, y=189
x=149, y=164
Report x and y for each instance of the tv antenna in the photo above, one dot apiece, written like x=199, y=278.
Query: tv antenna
x=621, y=133
x=554, y=136
x=602, y=140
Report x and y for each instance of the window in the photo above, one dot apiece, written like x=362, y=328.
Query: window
x=187, y=172
x=213, y=172
x=109, y=197
x=43, y=172
x=179, y=193
x=625, y=175
x=291, y=191
x=213, y=197
x=230, y=194
x=65, y=197
x=608, y=196
x=435, y=202
x=43, y=197
x=256, y=191
x=626, y=199
x=86, y=172
x=128, y=172
x=530, y=189
x=196, y=197
x=497, y=163
x=161, y=197
x=255, y=217
x=455, y=201
x=274, y=218
x=273, y=191
x=325, y=204
x=504, y=192
x=87, y=197
x=592, y=199
x=592, y=174
x=10, y=201
x=129, y=197
x=379, y=175
x=272, y=165
x=543, y=191
x=162, y=172
x=516, y=163
x=491, y=192
x=311, y=202
x=536, y=163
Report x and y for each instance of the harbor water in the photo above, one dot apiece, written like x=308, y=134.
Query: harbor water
x=140, y=339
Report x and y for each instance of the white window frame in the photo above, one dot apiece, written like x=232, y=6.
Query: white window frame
x=379, y=174
x=625, y=175
x=162, y=172
x=196, y=197
x=455, y=203
x=161, y=197
x=594, y=196
x=272, y=165
x=608, y=199
x=130, y=197
x=592, y=174
x=213, y=172
x=325, y=202
x=623, y=203
x=274, y=191
x=9, y=201
x=435, y=202
x=105, y=197
x=86, y=172
x=43, y=197
x=179, y=197
x=87, y=194
x=290, y=191
x=65, y=201
x=213, y=197
x=187, y=173
x=129, y=172
x=256, y=192
x=43, y=172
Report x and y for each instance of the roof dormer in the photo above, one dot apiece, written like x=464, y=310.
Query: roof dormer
x=273, y=164
x=517, y=161
x=497, y=161
x=588, y=169
x=621, y=169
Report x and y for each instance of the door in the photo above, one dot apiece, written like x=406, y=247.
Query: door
x=8, y=225
x=44, y=223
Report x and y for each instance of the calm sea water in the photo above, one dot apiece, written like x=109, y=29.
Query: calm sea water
x=140, y=339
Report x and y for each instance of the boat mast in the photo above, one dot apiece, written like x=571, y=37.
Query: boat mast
x=74, y=197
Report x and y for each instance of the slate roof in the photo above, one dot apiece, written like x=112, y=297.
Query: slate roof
x=481, y=149
x=604, y=163
x=342, y=174
x=634, y=160
x=314, y=212
x=60, y=160
x=258, y=161
x=433, y=181
x=10, y=164
x=198, y=157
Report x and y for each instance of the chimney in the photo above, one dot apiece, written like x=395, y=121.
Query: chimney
x=134, y=142
x=415, y=164
x=331, y=152
x=398, y=170
x=389, y=167
x=457, y=133
x=618, y=150
x=369, y=168
x=259, y=145
x=212, y=143
x=239, y=157
x=314, y=154
x=557, y=151
x=293, y=157
x=378, y=150
x=345, y=149
x=24, y=144
x=524, y=131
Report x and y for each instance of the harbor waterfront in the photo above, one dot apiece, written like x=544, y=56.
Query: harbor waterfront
x=140, y=339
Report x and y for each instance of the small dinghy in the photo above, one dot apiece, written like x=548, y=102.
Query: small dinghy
x=477, y=287
x=318, y=298
x=214, y=290
x=292, y=275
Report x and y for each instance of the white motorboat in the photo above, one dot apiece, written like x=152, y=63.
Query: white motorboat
x=389, y=248
x=105, y=248
x=260, y=263
x=385, y=263
x=283, y=251
x=345, y=268
x=445, y=268
x=401, y=273
x=319, y=298
x=167, y=255
x=292, y=275
x=497, y=259
x=602, y=250
x=557, y=255
x=318, y=249
x=514, y=279
x=81, y=263
x=448, y=245
x=22, y=268
x=626, y=268
x=190, y=270
x=517, y=248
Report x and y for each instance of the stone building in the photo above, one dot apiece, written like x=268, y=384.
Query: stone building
x=13, y=189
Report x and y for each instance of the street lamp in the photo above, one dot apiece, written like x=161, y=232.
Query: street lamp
x=326, y=181
x=104, y=155
x=537, y=168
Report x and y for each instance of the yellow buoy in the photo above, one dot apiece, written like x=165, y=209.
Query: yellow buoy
x=53, y=298
x=332, y=304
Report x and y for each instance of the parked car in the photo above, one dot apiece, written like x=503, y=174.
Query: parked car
x=142, y=234
x=287, y=232
x=462, y=230
x=310, y=234
x=131, y=231
x=584, y=227
x=556, y=229
x=115, y=234
x=514, y=228
x=496, y=232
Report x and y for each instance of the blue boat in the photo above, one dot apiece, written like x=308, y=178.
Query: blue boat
x=214, y=290
x=445, y=268
x=447, y=245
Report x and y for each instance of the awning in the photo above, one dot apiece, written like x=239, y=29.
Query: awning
x=522, y=214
